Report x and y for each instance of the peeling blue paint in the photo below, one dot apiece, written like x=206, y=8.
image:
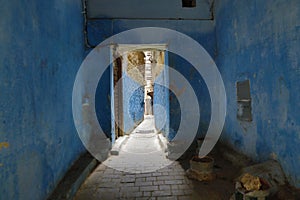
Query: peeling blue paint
x=42, y=48
x=133, y=105
x=40, y=52
x=201, y=31
x=259, y=41
x=136, y=105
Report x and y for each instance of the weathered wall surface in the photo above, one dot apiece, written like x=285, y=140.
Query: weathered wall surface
x=161, y=102
x=133, y=9
x=259, y=41
x=133, y=101
x=42, y=48
x=201, y=31
x=40, y=52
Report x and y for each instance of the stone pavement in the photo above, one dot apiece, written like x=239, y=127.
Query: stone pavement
x=141, y=152
x=107, y=183
x=168, y=183
x=147, y=125
x=142, y=171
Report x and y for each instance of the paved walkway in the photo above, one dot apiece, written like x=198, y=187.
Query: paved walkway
x=107, y=183
x=141, y=152
x=142, y=171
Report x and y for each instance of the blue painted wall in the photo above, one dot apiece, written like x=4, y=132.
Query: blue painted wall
x=133, y=102
x=103, y=95
x=201, y=31
x=161, y=108
x=198, y=85
x=151, y=15
x=175, y=114
x=40, y=52
x=136, y=105
x=259, y=41
x=42, y=48
x=168, y=9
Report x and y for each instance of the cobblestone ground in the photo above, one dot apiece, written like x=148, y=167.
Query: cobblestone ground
x=107, y=183
x=148, y=174
x=168, y=183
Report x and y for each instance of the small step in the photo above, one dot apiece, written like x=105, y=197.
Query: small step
x=118, y=144
x=145, y=131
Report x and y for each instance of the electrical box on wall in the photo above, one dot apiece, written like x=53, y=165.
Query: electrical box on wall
x=244, y=110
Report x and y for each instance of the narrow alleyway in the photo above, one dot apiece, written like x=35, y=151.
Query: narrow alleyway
x=142, y=171
x=141, y=152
